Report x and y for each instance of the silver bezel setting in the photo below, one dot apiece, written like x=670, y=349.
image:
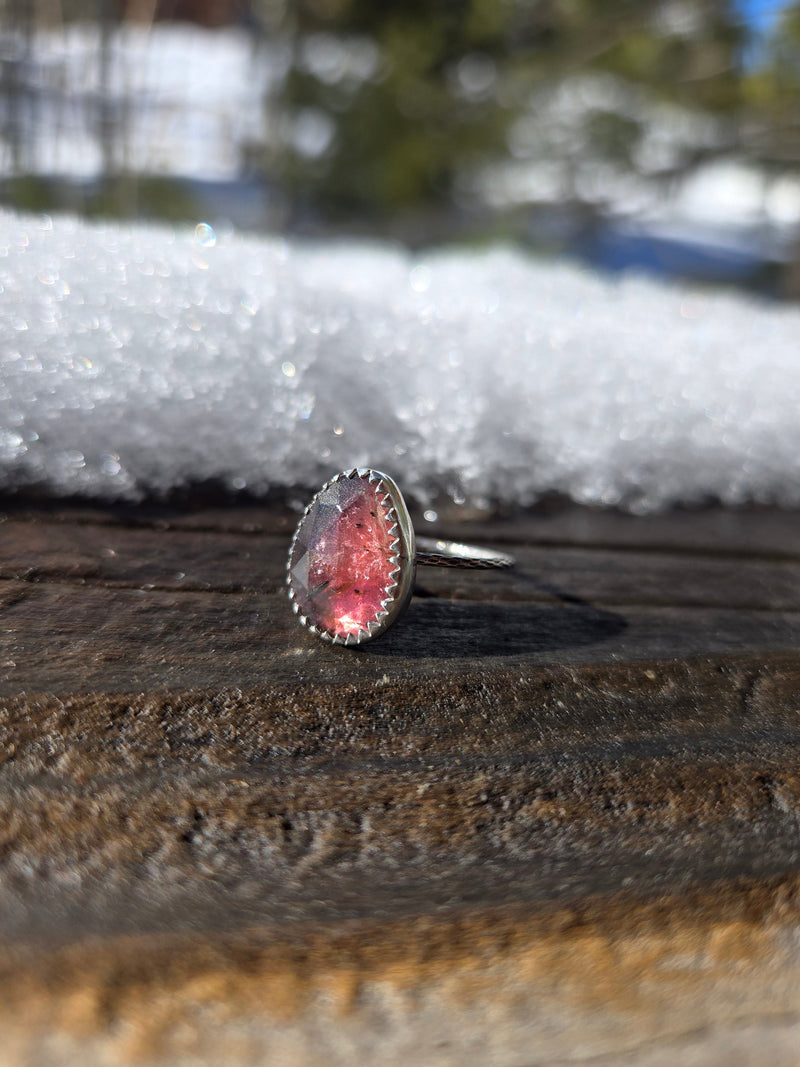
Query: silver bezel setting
x=403, y=547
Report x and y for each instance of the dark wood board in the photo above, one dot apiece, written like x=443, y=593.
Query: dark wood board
x=552, y=817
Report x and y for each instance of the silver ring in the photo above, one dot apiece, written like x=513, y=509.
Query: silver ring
x=353, y=558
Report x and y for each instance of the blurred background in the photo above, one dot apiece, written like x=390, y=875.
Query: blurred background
x=661, y=135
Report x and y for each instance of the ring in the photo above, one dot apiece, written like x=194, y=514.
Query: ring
x=353, y=558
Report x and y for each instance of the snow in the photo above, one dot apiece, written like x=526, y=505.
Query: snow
x=139, y=360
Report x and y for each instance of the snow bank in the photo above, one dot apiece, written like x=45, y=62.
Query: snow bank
x=136, y=361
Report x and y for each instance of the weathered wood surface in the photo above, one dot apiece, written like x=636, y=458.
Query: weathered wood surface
x=553, y=816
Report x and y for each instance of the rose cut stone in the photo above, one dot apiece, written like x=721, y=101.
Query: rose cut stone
x=343, y=561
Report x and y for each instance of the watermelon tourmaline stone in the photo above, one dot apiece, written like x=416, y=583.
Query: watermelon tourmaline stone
x=343, y=561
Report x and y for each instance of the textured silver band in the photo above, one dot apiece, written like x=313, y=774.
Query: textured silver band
x=435, y=553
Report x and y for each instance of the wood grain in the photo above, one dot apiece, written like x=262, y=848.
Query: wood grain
x=553, y=816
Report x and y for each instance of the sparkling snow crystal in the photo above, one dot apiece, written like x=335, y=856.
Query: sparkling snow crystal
x=140, y=360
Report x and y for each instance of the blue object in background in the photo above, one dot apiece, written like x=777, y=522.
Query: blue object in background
x=761, y=14
x=623, y=248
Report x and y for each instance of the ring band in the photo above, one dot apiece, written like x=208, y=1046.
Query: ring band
x=432, y=552
x=353, y=558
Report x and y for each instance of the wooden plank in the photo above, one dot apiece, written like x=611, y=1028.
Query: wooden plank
x=70, y=638
x=553, y=814
x=706, y=977
x=150, y=558
x=710, y=531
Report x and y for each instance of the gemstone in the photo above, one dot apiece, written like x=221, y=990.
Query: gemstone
x=343, y=562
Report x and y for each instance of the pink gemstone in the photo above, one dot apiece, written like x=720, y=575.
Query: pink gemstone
x=342, y=565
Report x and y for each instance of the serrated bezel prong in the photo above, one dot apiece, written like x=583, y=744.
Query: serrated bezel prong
x=402, y=545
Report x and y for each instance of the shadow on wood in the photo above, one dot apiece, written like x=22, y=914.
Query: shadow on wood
x=447, y=629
